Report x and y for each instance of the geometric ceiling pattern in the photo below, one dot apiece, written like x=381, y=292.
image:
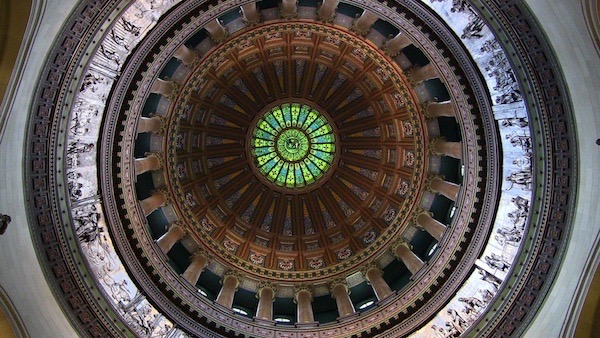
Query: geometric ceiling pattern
x=424, y=190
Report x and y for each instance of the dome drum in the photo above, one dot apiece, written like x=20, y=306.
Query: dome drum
x=340, y=159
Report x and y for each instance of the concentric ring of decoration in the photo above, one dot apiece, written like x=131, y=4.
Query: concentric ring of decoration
x=45, y=112
x=180, y=127
x=355, y=211
x=293, y=145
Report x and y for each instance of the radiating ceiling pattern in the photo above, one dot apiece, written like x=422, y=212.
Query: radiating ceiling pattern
x=299, y=150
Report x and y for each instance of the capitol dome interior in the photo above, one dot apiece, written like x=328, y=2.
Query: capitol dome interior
x=300, y=168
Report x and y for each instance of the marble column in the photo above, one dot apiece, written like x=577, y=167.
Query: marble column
x=431, y=225
x=440, y=109
x=326, y=11
x=166, y=241
x=216, y=31
x=150, y=125
x=362, y=25
x=230, y=284
x=145, y=164
x=374, y=276
x=186, y=55
x=167, y=89
x=427, y=72
x=341, y=293
x=413, y=263
x=157, y=200
x=193, y=271
x=303, y=298
x=445, y=188
x=250, y=14
x=266, y=297
x=288, y=8
x=442, y=147
x=396, y=44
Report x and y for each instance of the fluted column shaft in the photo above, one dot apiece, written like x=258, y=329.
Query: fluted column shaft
x=193, y=271
x=250, y=13
x=157, y=200
x=186, y=55
x=145, y=164
x=304, y=300
x=215, y=30
x=164, y=88
x=431, y=225
x=341, y=294
x=149, y=125
x=380, y=287
x=398, y=43
x=327, y=9
x=166, y=241
x=424, y=73
x=289, y=7
x=266, y=296
x=440, y=109
x=230, y=285
x=364, y=22
x=451, y=149
x=412, y=262
x=445, y=188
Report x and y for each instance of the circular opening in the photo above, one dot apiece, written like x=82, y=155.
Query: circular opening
x=282, y=320
x=366, y=305
x=293, y=145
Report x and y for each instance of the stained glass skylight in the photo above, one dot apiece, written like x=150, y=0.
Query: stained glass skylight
x=293, y=145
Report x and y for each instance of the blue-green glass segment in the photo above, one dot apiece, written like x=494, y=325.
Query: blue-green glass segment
x=293, y=145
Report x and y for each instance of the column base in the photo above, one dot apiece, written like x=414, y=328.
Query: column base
x=420, y=272
x=309, y=324
x=387, y=299
x=347, y=318
x=159, y=251
x=264, y=321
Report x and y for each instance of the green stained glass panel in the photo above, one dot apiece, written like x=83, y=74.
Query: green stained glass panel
x=293, y=145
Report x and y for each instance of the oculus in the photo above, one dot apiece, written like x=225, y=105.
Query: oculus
x=293, y=145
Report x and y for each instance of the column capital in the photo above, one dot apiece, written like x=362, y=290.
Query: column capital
x=337, y=282
x=300, y=288
x=217, y=32
x=284, y=9
x=416, y=214
x=370, y=266
x=266, y=285
x=430, y=178
x=326, y=10
x=159, y=156
x=165, y=87
x=200, y=253
x=176, y=225
x=432, y=142
x=166, y=193
x=363, y=22
x=250, y=15
x=398, y=243
x=190, y=58
x=232, y=273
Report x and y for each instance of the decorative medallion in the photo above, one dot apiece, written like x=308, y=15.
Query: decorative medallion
x=293, y=145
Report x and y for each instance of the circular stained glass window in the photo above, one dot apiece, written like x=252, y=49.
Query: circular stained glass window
x=293, y=145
